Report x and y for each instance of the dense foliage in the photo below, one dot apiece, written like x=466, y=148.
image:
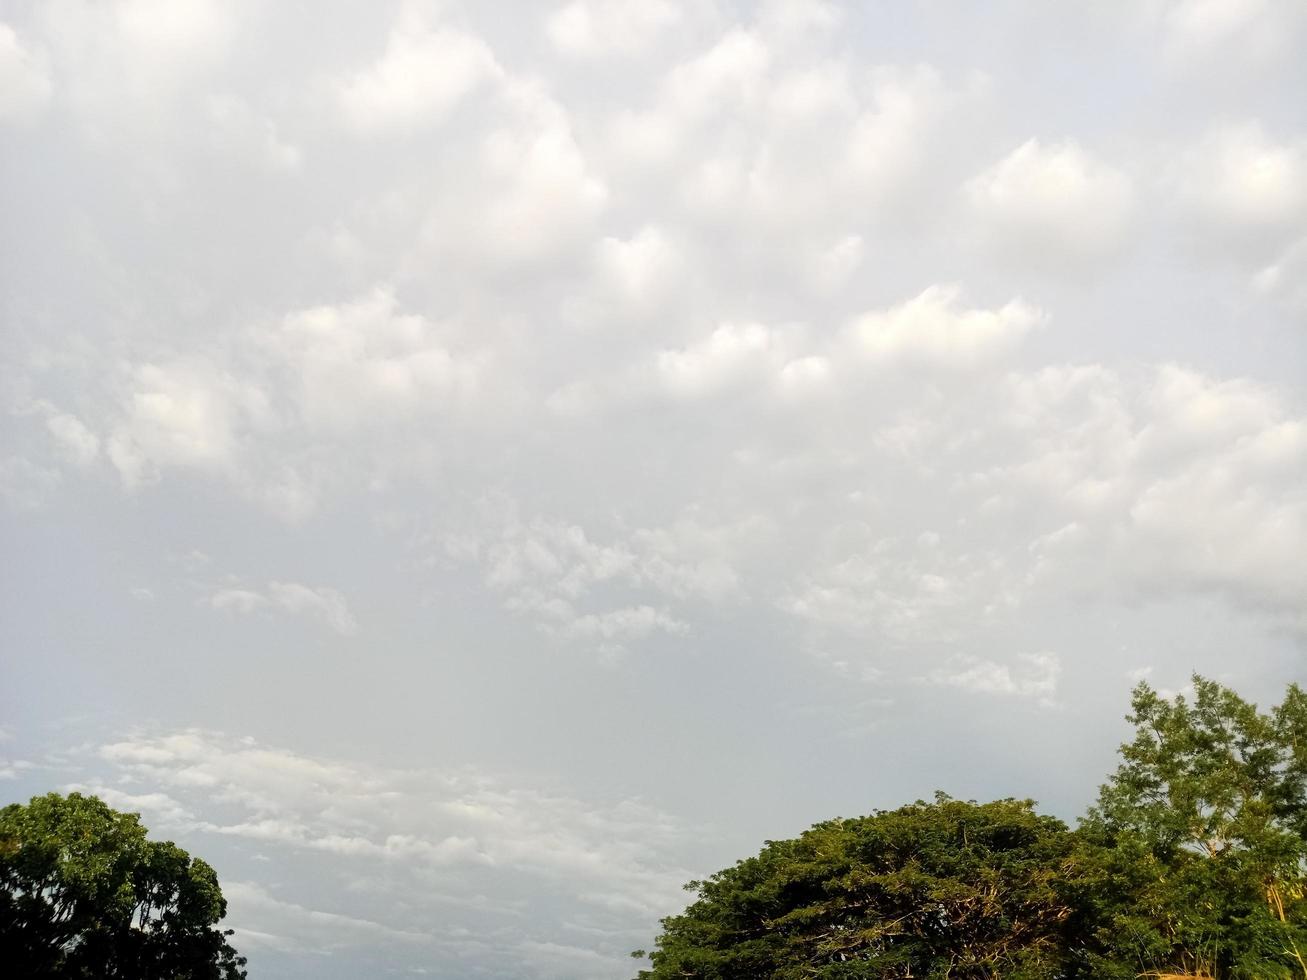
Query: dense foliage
x=1199, y=841
x=83, y=893
x=890, y=895
x=1192, y=863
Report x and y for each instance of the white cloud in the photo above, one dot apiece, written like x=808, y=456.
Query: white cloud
x=571, y=586
x=78, y=443
x=417, y=839
x=419, y=79
x=932, y=328
x=610, y=28
x=25, y=86
x=641, y=270
x=324, y=604
x=188, y=414
x=1054, y=204
x=615, y=627
x=173, y=29
x=758, y=364
x=123, y=61
x=237, y=128
x=545, y=194
x=396, y=366
x=831, y=267
x=13, y=768
x=730, y=353
x=787, y=19
x=231, y=412
x=1200, y=33
x=891, y=589
x=729, y=75
x=752, y=134
x=1083, y=482
x=1285, y=279
x=1247, y=190
x=1184, y=486
x=320, y=930
x=243, y=601
x=159, y=809
x=1034, y=675
x=889, y=145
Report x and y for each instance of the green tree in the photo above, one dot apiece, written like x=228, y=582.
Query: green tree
x=1198, y=843
x=943, y=889
x=83, y=893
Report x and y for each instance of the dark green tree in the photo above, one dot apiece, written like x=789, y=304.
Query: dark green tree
x=1198, y=844
x=932, y=890
x=83, y=893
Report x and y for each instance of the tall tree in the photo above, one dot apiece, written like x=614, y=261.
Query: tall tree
x=930, y=890
x=83, y=893
x=1200, y=841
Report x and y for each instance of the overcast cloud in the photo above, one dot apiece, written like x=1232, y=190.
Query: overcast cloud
x=469, y=468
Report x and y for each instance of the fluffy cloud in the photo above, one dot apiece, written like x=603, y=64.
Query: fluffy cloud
x=24, y=79
x=422, y=75
x=79, y=443
x=243, y=132
x=230, y=413
x=134, y=55
x=902, y=591
x=291, y=927
x=1286, y=278
x=546, y=191
x=931, y=328
x=1034, y=675
x=395, y=365
x=1247, y=190
x=1054, y=204
x=324, y=604
x=642, y=270
x=573, y=588
x=1254, y=32
x=586, y=29
x=1187, y=486
x=764, y=365
x=411, y=853
x=731, y=352
x=183, y=413
x=753, y=136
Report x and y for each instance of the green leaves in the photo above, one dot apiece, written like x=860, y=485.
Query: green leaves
x=1193, y=862
x=1201, y=835
x=83, y=893
x=954, y=885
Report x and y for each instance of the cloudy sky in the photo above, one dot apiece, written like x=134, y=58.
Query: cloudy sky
x=469, y=468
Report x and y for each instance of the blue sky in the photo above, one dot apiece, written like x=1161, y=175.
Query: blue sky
x=470, y=468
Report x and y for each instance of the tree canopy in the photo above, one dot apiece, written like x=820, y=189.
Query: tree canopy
x=1192, y=863
x=83, y=893
x=902, y=893
x=1198, y=842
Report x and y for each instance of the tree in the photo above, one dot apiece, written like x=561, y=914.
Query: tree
x=83, y=893
x=1192, y=864
x=930, y=890
x=1199, y=841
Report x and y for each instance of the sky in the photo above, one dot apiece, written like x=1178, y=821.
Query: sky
x=470, y=468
